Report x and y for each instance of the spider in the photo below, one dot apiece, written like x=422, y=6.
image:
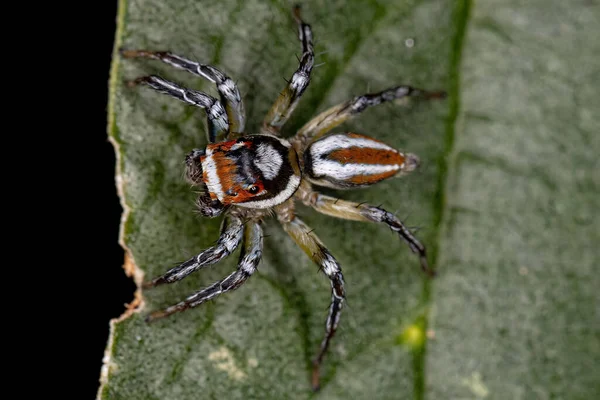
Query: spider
x=249, y=177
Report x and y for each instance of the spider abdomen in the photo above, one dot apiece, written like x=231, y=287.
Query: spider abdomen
x=347, y=160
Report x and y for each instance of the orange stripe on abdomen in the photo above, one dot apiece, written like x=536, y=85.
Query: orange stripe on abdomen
x=362, y=155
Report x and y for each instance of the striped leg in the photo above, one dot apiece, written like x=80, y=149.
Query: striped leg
x=228, y=90
x=329, y=119
x=231, y=234
x=364, y=212
x=315, y=249
x=288, y=99
x=249, y=259
x=218, y=123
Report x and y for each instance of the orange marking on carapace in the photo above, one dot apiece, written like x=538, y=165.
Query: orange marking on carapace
x=363, y=155
x=244, y=195
x=226, y=171
x=224, y=147
x=370, y=179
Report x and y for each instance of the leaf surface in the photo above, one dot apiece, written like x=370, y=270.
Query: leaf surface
x=507, y=183
x=515, y=310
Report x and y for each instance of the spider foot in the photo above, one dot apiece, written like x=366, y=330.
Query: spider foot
x=316, y=376
x=133, y=53
x=296, y=13
x=439, y=95
x=165, y=313
x=157, y=55
x=154, y=282
x=425, y=267
x=139, y=81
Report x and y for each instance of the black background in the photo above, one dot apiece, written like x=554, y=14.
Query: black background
x=110, y=289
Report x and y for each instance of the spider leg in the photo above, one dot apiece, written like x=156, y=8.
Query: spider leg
x=228, y=90
x=314, y=248
x=288, y=99
x=232, y=230
x=218, y=122
x=364, y=212
x=329, y=119
x=249, y=259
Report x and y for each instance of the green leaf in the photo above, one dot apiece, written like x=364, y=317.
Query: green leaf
x=516, y=307
x=506, y=198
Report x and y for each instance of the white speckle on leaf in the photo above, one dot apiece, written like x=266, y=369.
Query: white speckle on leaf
x=409, y=42
x=523, y=271
x=476, y=385
x=224, y=361
x=253, y=362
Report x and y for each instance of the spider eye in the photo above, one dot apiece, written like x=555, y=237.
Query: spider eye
x=253, y=189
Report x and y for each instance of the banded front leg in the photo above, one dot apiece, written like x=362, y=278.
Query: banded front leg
x=228, y=90
x=288, y=99
x=218, y=122
x=232, y=230
x=367, y=213
x=249, y=260
x=314, y=248
x=329, y=119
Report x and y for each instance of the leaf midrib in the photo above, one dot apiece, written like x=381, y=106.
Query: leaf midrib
x=460, y=18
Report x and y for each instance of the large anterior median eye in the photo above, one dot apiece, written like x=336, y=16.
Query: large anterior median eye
x=254, y=189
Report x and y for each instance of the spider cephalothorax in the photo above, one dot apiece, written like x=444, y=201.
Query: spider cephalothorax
x=248, y=177
x=258, y=171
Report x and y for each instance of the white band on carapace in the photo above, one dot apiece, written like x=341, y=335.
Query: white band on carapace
x=285, y=194
x=213, y=183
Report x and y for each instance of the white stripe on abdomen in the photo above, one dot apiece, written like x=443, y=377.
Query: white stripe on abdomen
x=340, y=141
x=342, y=172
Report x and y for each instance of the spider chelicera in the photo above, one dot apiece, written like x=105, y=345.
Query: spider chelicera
x=249, y=177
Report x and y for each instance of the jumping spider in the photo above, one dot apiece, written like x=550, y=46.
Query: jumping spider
x=248, y=177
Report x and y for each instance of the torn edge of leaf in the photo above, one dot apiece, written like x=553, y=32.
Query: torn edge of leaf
x=136, y=306
x=131, y=270
x=130, y=267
